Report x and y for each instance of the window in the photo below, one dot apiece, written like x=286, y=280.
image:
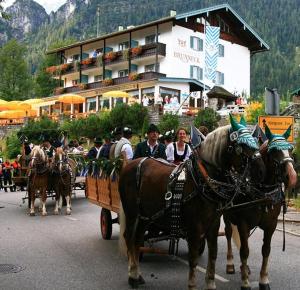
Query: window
x=196, y=43
x=123, y=73
x=196, y=72
x=150, y=39
x=221, y=50
x=91, y=104
x=168, y=93
x=75, y=82
x=76, y=57
x=123, y=45
x=222, y=24
x=151, y=67
x=219, y=78
x=149, y=92
x=98, y=78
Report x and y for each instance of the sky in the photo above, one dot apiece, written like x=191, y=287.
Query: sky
x=49, y=5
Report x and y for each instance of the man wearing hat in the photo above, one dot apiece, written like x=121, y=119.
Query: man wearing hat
x=94, y=152
x=117, y=135
x=151, y=147
x=123, y=147
x=47, y=147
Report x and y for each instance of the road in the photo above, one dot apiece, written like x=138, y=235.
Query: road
x=67, y=252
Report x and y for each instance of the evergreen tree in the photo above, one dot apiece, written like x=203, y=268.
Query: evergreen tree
x=2, y=13
x=15, y=79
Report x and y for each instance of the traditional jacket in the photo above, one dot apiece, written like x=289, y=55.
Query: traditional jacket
x=93, y=153
x=143, y=150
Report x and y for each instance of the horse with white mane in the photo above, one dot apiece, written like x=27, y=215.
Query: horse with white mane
x=147, y=188
x=38, y=178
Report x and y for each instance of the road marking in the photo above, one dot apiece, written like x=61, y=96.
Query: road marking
x=203, y=270
x=71, y=218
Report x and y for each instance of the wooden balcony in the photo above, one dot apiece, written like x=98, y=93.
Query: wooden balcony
x=116, y=81
x=121, y=56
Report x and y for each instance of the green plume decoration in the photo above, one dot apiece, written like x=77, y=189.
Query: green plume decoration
x=287, y=133
x=243, y=121
x=234, y=123
x=268, y=133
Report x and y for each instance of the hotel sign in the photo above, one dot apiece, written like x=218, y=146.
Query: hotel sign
x=187, y=58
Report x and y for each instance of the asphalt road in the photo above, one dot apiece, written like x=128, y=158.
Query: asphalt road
x=67, y=252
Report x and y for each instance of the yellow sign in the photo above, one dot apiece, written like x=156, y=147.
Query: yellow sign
x=277, y=124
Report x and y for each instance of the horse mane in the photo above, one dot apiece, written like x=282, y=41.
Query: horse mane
x=38, y=151
x=213, y=148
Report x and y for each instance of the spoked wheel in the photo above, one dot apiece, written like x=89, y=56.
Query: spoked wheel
x=202, y=246
x=106, y=224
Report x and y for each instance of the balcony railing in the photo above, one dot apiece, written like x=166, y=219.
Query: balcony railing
x=111, y=82
x=118, y=57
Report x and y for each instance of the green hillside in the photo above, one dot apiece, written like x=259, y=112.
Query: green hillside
x=274, y=20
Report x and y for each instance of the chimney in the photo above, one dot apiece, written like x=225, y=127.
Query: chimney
x=120, y=27
x=172, y=13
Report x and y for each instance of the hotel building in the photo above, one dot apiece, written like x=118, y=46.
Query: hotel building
x=165, y=57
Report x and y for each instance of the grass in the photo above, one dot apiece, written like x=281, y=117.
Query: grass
x=296, y=203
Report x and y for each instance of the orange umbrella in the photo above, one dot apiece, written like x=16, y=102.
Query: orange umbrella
x=3, y=105
x=24, y=106
x=71, y=99
x=33, y=101
x=13, y=105
x=12, y=114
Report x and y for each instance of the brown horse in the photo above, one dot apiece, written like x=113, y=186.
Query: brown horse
x=279, y=169
x=63, y=176
x=144, y=188
x=38, y=178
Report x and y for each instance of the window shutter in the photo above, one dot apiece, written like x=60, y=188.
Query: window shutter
x=200, y=44
x=108, y=74
x=201, y=73
x=133, y=67
x=108, y=49
x=134, y=43
x=84, y=79
x=191, y=72
x=192, y=42
x=85, y=56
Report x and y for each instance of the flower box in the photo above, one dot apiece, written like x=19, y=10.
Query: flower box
x=135, y=51
x=134, y=76
x=88, y=61
x=51, y=69
x=82, y=86
x=107, y=82
x=63, y=67
x=110, y=56
x=59, y=90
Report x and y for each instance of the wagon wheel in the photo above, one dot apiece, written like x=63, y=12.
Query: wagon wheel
x=105, y=224
x=202, y=246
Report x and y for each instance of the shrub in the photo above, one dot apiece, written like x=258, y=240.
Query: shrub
x=168, y=122
x=133, y=76
x=208, y=118
x=13, y=146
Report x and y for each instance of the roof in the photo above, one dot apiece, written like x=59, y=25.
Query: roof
x=219, y=92
x=237, y=20
x=194, y=84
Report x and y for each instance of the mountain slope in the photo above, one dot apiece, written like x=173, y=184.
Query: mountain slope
x=273, y=20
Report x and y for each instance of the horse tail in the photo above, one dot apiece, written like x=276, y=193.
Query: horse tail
x=122, y=242
x=236, y=236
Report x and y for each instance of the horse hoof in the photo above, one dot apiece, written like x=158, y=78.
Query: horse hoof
x=56, y=212
x=264, y=287
x=230, y=269
x=245, y=288
x=44, y=214
x=32, y=214
x=68, y=213
x=134, y=283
